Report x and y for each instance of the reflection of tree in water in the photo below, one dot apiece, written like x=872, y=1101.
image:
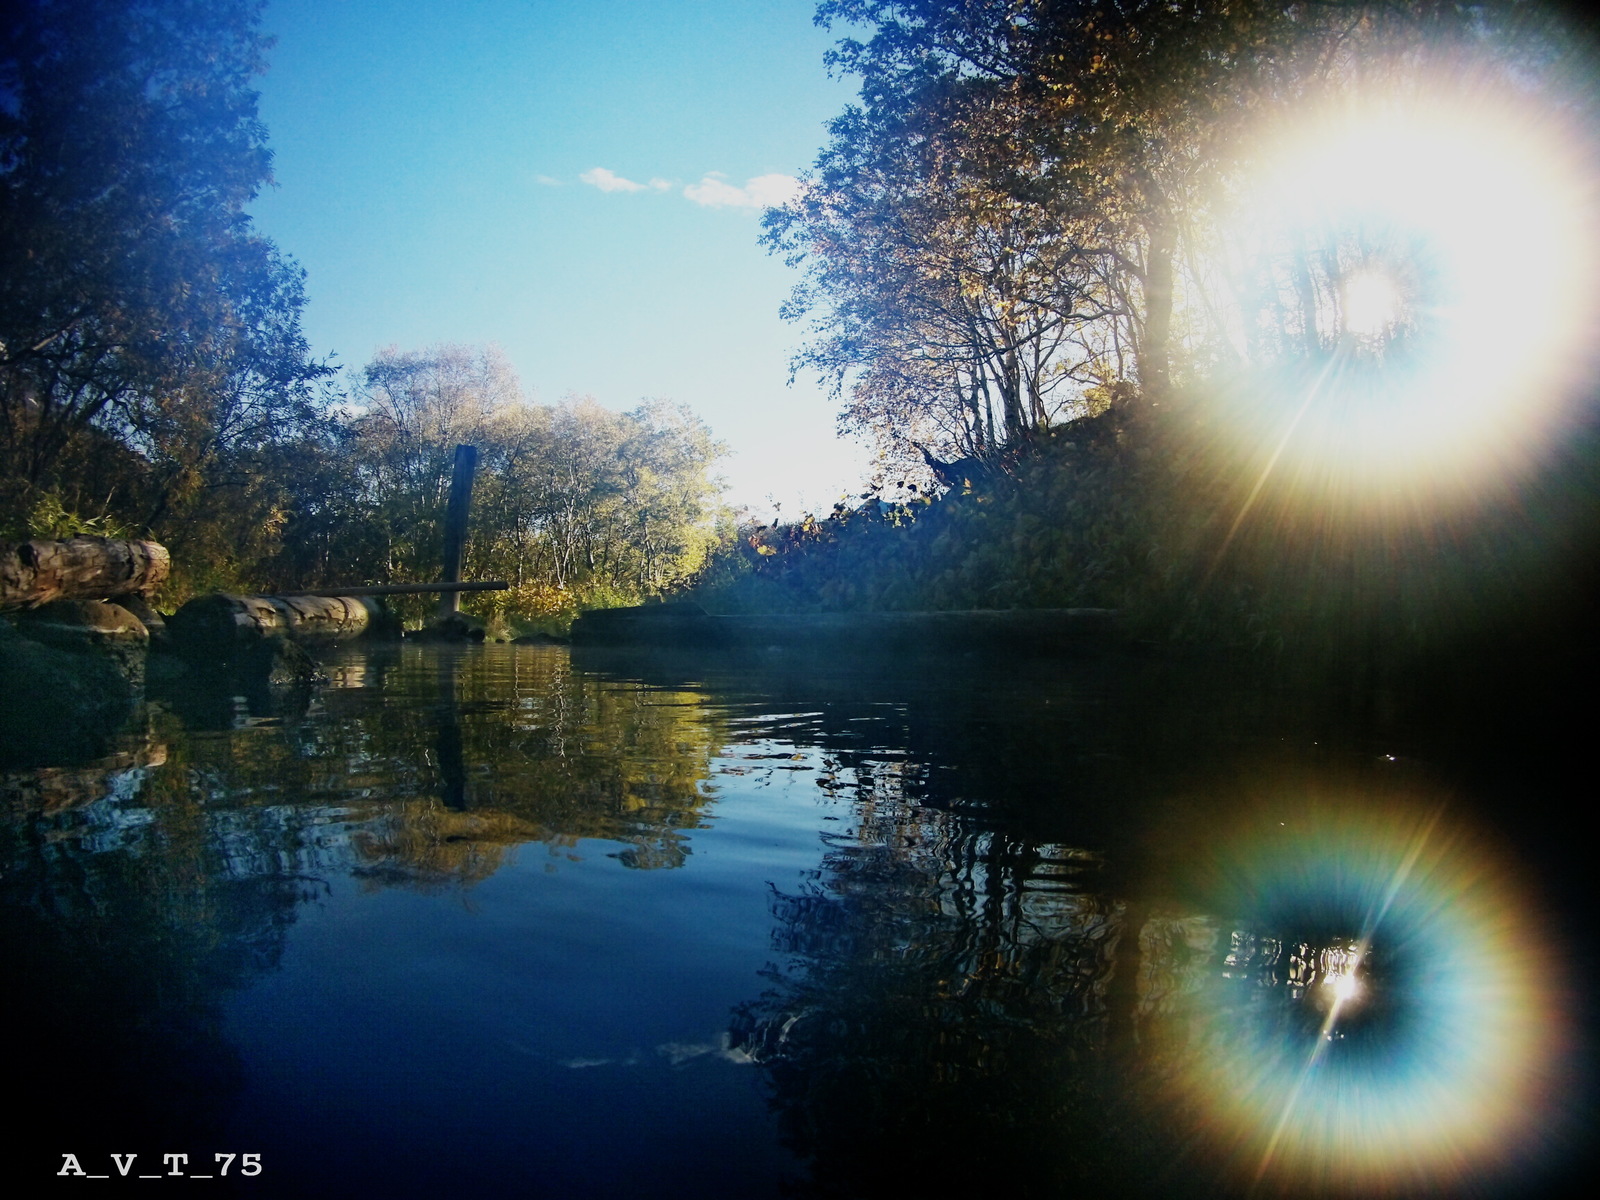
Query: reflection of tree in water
x=512, y=746
x=138, y=890
x=427, y=766
x=944, y=988
x=424, y=845
x=946, y=984
x=121, y=935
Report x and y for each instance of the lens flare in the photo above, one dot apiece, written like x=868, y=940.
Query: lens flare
x=1372, y=303
x=1387, y=1018
x=1427, y=256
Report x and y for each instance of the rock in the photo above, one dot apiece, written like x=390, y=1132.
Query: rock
x=93, y=627
x=275, y=662
x=82, y=624
x=457, y=627
x=290, y=666
x=152, y=620
x=59, y=706
x=163, y=669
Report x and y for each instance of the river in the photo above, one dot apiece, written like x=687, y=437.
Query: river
x=526, y=921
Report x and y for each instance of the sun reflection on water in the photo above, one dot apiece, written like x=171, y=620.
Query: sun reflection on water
x=1390, y=1019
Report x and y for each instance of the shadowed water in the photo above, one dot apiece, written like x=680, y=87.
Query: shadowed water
x=518, y=921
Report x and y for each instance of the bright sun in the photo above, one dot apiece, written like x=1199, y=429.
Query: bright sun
x=1371, y=302
x=1464, y=215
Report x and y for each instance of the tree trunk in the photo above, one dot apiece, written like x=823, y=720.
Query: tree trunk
x=85, y=568
x=1007, y=380
x=1310, y=340
x=1155, y=346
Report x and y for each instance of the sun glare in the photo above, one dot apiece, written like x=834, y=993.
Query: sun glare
x=1371, y=303
x=1344, y=988
x=1451, y=228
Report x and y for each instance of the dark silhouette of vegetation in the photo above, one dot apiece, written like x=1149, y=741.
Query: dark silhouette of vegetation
x=1010, y=248
x=151, y=359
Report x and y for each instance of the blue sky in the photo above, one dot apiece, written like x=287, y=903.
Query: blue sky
x=450, y=173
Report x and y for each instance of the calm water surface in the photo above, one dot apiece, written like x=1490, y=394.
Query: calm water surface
x=518, y=921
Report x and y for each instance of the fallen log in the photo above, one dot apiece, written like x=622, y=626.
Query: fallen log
x=36, y=572
x=223, y=624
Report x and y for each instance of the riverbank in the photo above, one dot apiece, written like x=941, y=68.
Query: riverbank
x=688, y=626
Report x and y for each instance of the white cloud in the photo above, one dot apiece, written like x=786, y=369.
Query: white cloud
x=714, y=191
x=772, y=190
x=548, y=181
x=610, y=181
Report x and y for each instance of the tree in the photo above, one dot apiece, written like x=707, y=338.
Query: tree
x=415, y=407
x=142, y=321
x=950, y=307
x=624, y=500
x=1022, y=210
x=665, y=460
x=572, y=501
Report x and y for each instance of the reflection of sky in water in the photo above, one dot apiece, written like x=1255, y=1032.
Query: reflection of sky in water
x=720, y=928
x=1418, y=1048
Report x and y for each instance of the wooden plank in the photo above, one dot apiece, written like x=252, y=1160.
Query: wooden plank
x=408, y=589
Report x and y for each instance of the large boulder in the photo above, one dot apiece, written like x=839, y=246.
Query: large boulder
x=66, y=687
x=96, y=627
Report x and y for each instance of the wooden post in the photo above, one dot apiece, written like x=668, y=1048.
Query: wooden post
x=448, y=746
x=455, y=527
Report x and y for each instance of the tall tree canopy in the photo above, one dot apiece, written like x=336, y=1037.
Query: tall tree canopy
x=147, y=334
x=1019, y=221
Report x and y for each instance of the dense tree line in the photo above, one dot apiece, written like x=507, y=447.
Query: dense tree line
x=154, y=379
x=151, y=358
x=574, y=503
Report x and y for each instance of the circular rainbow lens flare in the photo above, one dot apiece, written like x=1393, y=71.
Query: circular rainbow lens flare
x=1388, y=1019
